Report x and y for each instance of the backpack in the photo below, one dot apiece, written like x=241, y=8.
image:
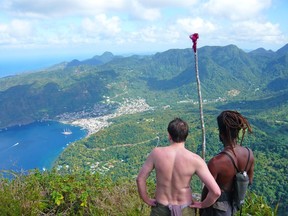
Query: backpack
x=240, y=184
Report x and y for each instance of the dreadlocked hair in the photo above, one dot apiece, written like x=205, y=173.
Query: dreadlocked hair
x=230, y=123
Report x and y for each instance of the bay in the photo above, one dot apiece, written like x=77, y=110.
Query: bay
x=35, y=146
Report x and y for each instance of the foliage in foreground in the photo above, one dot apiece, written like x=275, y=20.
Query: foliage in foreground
x=50, y=193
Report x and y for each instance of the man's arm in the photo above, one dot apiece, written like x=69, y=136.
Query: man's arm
x=212, y=187
x=141, y=180
x=251, y=170
x=214, y=173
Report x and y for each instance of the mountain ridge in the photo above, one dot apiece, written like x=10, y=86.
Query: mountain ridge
x=82, y=84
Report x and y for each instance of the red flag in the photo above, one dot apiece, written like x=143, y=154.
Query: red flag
x=194, y=38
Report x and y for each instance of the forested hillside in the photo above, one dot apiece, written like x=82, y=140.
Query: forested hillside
x=226, y=72
x=121, y=149
x=254, y=83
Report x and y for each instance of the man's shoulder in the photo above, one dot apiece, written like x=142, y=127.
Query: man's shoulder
x=190, y=153
x=195, y=158
x=158, y=150
x=245, y=152
x=220, y=157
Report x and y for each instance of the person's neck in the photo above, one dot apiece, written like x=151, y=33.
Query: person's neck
x=177, y=144
x=230, y=145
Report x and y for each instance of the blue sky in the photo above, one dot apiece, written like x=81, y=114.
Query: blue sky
x=83, y=28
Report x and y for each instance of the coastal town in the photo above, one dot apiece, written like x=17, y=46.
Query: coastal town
x=98, y=117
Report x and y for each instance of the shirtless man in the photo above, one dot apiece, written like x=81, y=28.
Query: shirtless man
x=175, y=166
x=221, y=166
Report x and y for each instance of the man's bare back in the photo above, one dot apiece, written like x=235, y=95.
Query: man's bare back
x=175, y=166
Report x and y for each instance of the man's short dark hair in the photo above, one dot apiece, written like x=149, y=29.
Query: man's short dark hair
x=178, y=130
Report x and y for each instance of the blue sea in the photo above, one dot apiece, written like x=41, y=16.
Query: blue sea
x=12, y=67
x=35, y=145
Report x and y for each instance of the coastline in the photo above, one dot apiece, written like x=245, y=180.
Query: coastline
x=42, y=142
x=92, y=125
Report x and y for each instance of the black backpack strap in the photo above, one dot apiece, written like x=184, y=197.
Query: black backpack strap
x=248, y=159
x=226, y=153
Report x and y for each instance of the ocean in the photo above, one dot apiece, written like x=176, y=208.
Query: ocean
x=35, y=146
x=12, y=67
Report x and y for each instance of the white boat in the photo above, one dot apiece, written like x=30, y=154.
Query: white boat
x=66, y=132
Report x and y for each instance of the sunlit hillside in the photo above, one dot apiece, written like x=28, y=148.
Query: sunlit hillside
x=126, y=104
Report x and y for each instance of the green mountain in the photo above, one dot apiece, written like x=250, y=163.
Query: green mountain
x=96, y=60
x=79, y=85
x=254, y=83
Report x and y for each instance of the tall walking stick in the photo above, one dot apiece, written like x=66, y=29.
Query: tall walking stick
x=194, y=38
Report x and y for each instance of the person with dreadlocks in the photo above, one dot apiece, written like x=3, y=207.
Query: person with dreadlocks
x=230, y=123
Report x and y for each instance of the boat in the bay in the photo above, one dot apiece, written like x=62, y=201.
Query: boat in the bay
x=66, y=131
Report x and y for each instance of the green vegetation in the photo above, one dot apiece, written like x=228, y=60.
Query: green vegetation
x=253, y=83
x=225, y=72
x=50, y=193
x=121, y=149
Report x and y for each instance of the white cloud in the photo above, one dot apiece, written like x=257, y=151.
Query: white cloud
x=4, y=36
x=136, y=23
x=101, y=26
x=167, y=3
x=149, y=34
x=236, y=9
x=55, y=8
x=255, y=31
x=154, y=36
x=45, y=8
x=137, y=10
x=15, y=32
x=20, y=29
x=199, y=25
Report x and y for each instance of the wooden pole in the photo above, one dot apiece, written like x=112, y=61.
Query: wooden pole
x=194, y=38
